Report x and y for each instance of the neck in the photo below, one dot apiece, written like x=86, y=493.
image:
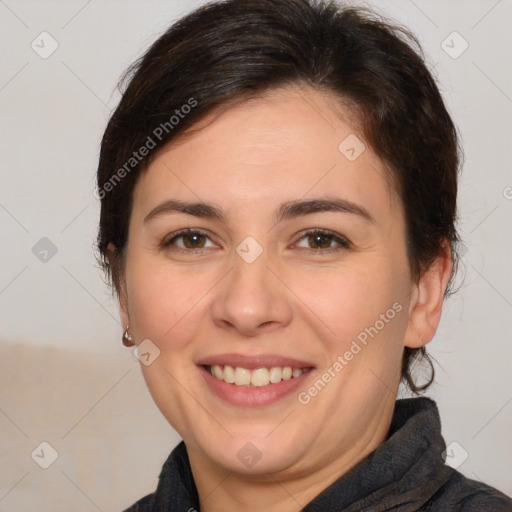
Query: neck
x=286, y=491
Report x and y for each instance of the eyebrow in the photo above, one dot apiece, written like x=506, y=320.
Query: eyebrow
x=198, y=209
x=297, y=208
x=286, y=211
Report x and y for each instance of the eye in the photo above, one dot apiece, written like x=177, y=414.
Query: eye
x=322, y=241
x=188, y=239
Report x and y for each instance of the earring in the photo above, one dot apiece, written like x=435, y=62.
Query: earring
x=127, y=338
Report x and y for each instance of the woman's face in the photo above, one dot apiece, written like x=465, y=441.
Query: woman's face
x=294, y=262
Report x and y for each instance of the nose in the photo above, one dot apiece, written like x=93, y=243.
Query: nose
x=251, y=300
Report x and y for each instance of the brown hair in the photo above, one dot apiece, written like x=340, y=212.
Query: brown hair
x=230, y=50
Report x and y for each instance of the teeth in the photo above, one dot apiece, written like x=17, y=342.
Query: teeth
x=229, y=374
x=217, y=372
x=242, y=376
x=275, y=374
x=257, y=378
x=260, y=377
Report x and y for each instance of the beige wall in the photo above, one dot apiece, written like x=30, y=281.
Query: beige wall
x=95, y=411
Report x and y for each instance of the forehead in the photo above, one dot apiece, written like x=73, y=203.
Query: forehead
x=281, y=146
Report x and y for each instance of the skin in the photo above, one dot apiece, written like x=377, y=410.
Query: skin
x=294, y=300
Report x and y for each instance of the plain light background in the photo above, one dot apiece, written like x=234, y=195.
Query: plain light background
x=65, y=377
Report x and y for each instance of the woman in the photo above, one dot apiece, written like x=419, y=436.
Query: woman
x=278, y=198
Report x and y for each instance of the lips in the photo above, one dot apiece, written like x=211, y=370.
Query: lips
x=253, y=362
x=253, y=380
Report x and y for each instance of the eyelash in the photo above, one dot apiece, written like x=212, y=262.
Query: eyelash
x=343, y=243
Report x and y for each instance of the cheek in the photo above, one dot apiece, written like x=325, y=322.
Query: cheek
x=366, y=312
x=352, y=299
x=162, y=300
x=166, y=307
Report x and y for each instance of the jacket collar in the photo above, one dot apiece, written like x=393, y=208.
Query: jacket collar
x=404, y=471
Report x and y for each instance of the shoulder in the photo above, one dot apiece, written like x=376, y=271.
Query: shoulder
x=461, y=494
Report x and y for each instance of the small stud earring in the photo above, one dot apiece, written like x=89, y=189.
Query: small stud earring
x=127, y=338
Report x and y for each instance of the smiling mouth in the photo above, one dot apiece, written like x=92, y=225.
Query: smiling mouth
x=258, y=377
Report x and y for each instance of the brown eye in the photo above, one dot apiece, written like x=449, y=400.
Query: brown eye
x=193, y=240
x=188, y=239
x=320, y=240
x=323, y=241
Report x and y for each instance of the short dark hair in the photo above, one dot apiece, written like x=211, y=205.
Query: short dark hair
x=228, y=51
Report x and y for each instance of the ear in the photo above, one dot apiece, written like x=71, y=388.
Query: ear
x=427, y=301
x=123, y=303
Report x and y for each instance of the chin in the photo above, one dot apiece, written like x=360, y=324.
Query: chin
x=252, y=456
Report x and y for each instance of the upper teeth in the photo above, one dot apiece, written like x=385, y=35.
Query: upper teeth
x=259, y=377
